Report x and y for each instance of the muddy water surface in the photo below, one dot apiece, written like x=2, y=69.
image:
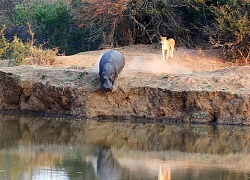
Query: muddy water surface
x=39, y=148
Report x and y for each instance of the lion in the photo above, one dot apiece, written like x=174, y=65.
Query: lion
x=167, y=47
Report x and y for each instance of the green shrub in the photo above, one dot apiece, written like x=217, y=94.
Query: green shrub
x=51, y=22
x=54, y=26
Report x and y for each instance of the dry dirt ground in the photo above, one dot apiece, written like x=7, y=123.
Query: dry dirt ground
x=148, y=59
x=144, y=64
x=190, y=69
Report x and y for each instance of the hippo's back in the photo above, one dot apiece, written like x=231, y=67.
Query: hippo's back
x=115, y=57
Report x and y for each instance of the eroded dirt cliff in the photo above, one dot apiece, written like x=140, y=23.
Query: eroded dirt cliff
x=218, y=96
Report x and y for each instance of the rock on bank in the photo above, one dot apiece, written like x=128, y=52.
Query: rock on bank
x=221, y=96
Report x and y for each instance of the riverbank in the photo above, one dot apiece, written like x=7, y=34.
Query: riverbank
x=192, y=88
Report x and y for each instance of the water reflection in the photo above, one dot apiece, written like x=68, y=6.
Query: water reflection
x=164, y=172
x=108, y=167
x=66, y=149
x=47, y=173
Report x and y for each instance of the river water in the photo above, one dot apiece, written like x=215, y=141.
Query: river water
x=46, y=148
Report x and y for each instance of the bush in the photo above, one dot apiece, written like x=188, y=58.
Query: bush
x=4, y=45
x=123, y=22
x=26, y=53
x=102, y=21
x=54, y=26
x=51, y=22
x=231, y=29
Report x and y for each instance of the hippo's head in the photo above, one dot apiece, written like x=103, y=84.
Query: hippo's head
x=108, y=76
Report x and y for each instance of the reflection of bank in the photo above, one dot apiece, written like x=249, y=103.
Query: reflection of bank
x=106, y=166
x=164, y=172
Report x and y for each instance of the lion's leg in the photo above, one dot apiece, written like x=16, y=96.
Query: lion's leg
x=167, y=56
x=172, y=51
x=163, y=54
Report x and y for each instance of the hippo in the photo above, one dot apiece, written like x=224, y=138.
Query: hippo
x=111, y=64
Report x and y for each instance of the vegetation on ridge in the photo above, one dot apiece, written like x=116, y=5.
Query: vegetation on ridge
x=73, y=25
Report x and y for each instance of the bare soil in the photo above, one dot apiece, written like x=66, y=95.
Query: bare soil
x=142, y=62
x=190, y=69
x=185, y=60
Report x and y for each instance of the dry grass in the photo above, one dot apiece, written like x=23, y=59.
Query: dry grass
x=26, y=53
